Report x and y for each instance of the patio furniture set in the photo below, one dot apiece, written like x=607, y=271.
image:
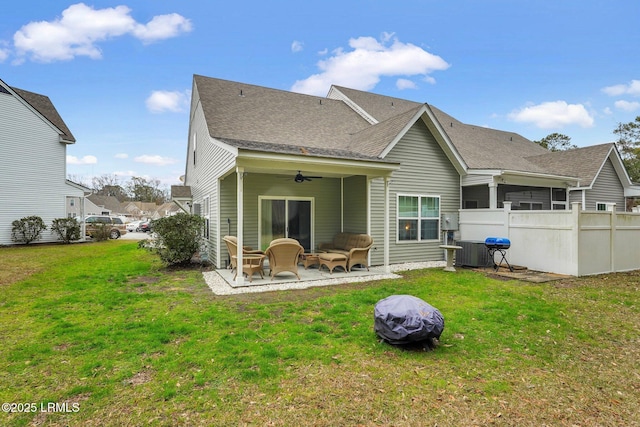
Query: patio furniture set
x=346, y=250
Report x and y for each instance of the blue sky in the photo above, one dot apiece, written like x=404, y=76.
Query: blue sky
x=120, y=72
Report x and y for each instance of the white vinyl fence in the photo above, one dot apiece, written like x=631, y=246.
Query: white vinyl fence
x=573, y=242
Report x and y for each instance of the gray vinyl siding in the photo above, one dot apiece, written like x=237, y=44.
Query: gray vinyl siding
x=607, y=188
x=575, y=197
x=424, y=170
x=213, y=160
x=355, y=205
x=33, y=169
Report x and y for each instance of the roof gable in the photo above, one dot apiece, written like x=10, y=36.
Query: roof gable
x=242, y=112
x=43, y=105
x=585, y=163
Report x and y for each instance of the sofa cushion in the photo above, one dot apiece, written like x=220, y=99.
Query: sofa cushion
x=340, y=240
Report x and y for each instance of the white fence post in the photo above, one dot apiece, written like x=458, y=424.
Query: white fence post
x=612, y=238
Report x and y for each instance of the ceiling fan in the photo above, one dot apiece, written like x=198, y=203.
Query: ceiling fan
x=301, y=178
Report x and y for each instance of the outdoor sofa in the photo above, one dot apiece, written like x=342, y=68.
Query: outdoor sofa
x=353, y=245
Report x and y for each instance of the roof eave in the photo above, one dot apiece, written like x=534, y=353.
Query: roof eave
x=259, y=161
x=506, y=176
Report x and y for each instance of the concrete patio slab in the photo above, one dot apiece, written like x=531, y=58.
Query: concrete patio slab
x=221, y=281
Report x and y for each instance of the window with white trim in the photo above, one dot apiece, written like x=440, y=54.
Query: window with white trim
x=418, y=218
x=605, y=206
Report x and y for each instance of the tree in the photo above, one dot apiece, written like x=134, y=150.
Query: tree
x=143, y=190
x=78, y=179
x=556, y=142
x=108, y=185
x=628, y=144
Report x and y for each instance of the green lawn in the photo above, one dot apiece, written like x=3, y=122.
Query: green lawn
x=101, y=334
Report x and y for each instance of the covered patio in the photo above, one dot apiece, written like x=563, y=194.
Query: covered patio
x=337, y=195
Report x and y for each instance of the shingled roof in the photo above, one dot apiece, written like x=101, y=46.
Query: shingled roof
x=583, y=163
x=354, y=124
x=246, y=113
x=44, y=106
x=476, y=144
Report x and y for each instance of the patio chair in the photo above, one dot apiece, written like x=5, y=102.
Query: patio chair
x=283, y=256
x=232, y=247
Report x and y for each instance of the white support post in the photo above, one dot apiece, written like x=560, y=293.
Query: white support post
x=239, y=225
x=493, y=195
x=387, y=236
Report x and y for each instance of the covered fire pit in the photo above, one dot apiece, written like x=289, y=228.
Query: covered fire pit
x=405, y=319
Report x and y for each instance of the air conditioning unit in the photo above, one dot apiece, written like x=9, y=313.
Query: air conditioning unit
x=473, y=254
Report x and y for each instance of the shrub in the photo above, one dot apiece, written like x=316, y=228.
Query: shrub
x=67, y=229
x=27, y=229
x=101, y=232
x=178, y=238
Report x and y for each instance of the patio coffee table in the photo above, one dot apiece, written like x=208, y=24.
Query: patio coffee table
x=310, y=259
x=332, y=260
x=251, y=263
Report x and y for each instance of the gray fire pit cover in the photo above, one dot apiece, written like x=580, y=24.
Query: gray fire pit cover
x=403, y=319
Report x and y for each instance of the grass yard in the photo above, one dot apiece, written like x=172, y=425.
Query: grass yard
x=101, y=334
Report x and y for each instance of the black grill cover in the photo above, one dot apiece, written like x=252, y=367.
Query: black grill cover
x=404, y=319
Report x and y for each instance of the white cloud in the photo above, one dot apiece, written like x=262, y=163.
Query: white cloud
x=121, y=156
x=162, y=100
x=553, y=115
x=86, y=160
x=297, y=46
x=368, y=61
x=633, y=88
x=81, y=27
x=155, y=160
x=627, y=105
x=4, y=52
x=162, y=27
x=405, y=84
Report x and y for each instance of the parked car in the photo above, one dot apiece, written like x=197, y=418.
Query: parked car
x=133, y=226
x=145, y=227
x=115, y=225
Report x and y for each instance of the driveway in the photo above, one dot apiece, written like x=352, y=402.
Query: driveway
x=135, y=236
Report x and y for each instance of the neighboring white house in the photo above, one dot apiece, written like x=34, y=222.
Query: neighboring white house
x=33, y=149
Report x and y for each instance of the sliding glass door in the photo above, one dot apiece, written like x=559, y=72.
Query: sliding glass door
x=286, y=217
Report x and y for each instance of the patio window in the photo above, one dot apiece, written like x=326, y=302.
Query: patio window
x=418, y=218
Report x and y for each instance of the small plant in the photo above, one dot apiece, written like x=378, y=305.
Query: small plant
x=27, y=229
x=178, y=238
x=101, y=232
x=67, y=229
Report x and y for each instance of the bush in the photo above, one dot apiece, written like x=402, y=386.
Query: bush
x=101, y=232
x=178, y=238
x=67, y=229
x=27, y=229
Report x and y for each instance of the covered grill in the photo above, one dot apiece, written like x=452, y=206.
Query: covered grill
x=500, y=245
